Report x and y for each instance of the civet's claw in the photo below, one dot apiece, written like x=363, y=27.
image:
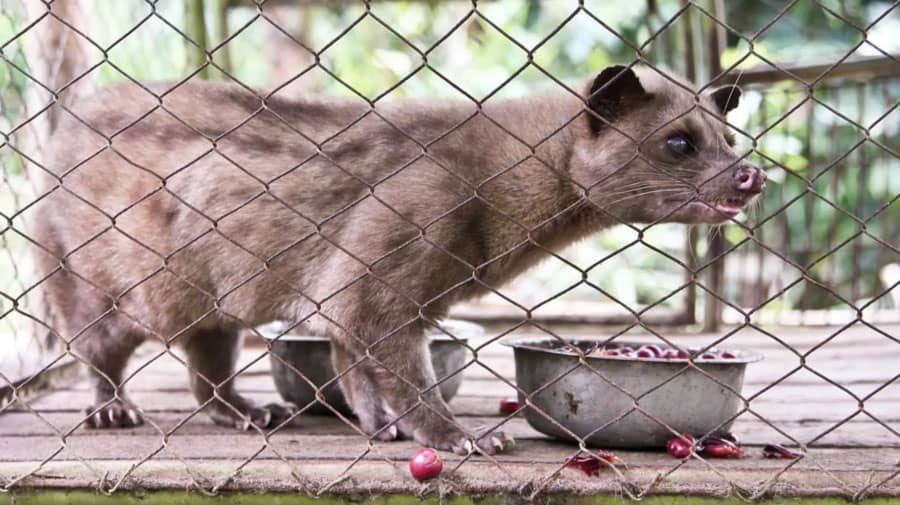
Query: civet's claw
x=113, y=418
x=134, y=417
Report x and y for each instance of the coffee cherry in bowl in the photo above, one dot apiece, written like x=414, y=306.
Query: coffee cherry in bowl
x=587, y=389
x=653, y=351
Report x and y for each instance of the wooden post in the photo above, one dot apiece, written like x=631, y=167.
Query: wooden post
x=286, y=57
x=692, y=235
x=712, y=313
x=223, y=55
x=195, y=24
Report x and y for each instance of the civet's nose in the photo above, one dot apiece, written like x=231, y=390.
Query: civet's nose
x=750, y=179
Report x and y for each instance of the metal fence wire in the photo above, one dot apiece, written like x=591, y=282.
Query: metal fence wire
x=91, y=149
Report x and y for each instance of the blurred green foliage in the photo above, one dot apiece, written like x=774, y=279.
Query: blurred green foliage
x=836, y=159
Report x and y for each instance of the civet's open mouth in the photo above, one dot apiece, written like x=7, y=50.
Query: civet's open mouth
x=729, y=206
x=712, y=211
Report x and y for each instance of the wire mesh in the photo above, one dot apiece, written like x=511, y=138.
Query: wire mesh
x=165, y=220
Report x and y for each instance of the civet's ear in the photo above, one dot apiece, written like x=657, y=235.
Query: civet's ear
x=726, y=98
x=613, y=91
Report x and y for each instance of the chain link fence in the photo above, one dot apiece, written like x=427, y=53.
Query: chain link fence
x=827, y=152
x=143, y=205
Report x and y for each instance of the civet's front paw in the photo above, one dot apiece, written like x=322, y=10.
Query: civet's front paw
x=248, y=416
x=460, y=443
x=115, y=414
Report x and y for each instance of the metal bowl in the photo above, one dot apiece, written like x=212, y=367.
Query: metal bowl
x=311, y=356
x=600, y=411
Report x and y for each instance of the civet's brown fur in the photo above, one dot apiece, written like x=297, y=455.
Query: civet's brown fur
x=155, y=235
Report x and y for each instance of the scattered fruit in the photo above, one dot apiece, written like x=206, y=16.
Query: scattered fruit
x=590, y=463
x=731, y=437
x=587, y=464
x=681, y=447
x=722, y=451
x=725, y=446
x=654, y=350
x=727, y=439
x=722, y=447
x=425, y=464
x=508, y=406
x=649, y=351
x=674, y=354
x=779, y=451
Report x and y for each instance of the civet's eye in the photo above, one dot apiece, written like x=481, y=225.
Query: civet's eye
x=680, y=144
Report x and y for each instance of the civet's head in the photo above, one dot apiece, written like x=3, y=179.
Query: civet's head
x=655, y=150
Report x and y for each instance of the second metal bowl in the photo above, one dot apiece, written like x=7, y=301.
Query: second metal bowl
x=311, y=356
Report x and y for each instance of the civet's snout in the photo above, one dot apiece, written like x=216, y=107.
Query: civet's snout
x=749, y=179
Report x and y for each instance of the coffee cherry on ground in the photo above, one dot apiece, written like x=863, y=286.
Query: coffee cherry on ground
x=731, y=437
x=425, y=464
x=716, y=449
x=508, y=406
x=587, y=464
x=590, y=463
x=726, y=439
x=779, y=451
x=679, y=448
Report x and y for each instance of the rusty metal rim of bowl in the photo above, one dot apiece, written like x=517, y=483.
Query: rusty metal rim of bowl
x=462, y=331
x=534, y=344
